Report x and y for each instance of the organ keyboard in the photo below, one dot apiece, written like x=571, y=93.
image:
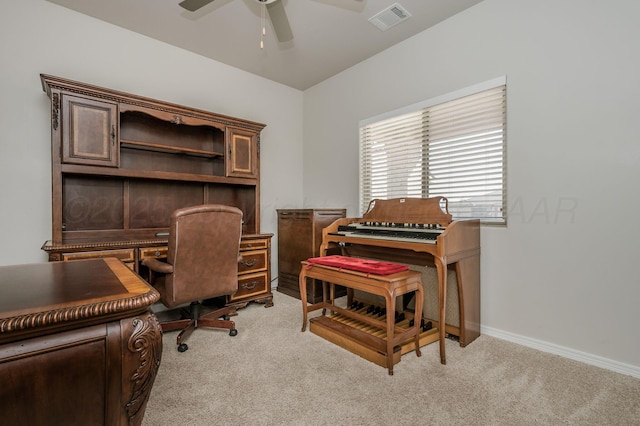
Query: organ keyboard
x=419, y=231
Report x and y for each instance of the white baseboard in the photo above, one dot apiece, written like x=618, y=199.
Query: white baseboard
x=598, y=361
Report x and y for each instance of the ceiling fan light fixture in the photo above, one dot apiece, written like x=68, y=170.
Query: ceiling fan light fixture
x=263, y=19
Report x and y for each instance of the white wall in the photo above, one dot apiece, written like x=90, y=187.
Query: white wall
x=40, y=37
x=562, y=275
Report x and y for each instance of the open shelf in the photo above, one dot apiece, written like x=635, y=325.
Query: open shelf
x=147, y=146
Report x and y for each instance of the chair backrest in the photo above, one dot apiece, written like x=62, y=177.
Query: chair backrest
x=204, y=244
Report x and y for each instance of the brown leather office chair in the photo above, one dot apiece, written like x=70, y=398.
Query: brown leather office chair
x=202, y=263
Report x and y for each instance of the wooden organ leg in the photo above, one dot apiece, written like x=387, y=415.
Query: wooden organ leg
x=468, y=273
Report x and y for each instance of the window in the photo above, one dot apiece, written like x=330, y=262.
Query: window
x=453, y=146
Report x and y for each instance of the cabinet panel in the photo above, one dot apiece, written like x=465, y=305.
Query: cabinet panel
x=295, y=231
x=244, y=197
x=251, y=285
x=253, y=261
x=65, y=382
x=299, y=238
x=242, y=153
x=152, y=203
x=92, y=203
x=89, y=132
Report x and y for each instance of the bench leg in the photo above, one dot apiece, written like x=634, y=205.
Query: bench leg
x=391, y=309
x=302, y=283
x=417, y=317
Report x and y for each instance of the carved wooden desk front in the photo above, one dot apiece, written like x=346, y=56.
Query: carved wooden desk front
x=79, y=344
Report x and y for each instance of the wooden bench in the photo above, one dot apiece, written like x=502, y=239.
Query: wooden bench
x=388, y=286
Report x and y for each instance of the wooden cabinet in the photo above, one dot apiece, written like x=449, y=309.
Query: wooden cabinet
x=299, y=238
x=254, y=272
x=89, y=132
x=122, y=163
x=243, y=153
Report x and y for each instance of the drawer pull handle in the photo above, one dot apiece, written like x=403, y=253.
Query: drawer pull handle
x=157, y=254
x=250, y=286
x=249, y=264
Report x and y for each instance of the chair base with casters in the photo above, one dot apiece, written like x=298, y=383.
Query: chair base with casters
x=192, y=318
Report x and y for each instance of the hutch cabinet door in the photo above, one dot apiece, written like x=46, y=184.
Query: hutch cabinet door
x=89, y=132
x=242, y=151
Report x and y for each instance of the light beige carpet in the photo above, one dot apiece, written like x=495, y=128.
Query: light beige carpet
x=273, y=374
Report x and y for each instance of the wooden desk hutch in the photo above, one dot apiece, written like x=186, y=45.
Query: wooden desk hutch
x=122, y=163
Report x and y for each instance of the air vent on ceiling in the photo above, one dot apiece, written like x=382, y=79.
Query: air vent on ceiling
x=389, y=17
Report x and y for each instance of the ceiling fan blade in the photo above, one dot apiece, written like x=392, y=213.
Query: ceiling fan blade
x=279, y=21
x=193, y=5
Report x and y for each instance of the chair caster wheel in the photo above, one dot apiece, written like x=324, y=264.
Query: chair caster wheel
x=233, y=332
x=226, y=317
x=182, y=347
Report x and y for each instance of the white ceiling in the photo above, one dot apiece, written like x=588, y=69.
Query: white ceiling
x=329, y=36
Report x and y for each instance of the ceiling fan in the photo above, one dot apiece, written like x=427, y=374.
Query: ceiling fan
x=276, y=11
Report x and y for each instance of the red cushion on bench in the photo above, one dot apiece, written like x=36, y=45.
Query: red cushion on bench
x=361, y=265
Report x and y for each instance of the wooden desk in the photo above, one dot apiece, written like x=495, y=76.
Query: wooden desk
x=79, y=344
x=387, y=286
x=254, y=272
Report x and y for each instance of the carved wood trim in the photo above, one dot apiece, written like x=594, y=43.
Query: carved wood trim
x=146, y=341
x=76, y=313
x=55, y=110
x=51, y=82
x=49, y=246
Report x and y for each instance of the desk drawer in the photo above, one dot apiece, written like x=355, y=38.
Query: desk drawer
x=252, y=261
x=253, y=244
x=250, y=285
x=124, y=255
x=154, y=252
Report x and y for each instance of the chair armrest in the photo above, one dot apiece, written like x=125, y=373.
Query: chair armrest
x=158, y=266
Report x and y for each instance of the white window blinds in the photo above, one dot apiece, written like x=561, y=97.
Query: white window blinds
x=453, y=148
